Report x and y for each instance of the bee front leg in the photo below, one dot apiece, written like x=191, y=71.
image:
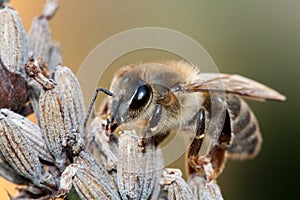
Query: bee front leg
x=155, y=118
x=152, y=128
x=195, y=146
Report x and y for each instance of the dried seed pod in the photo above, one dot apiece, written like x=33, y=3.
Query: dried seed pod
x=71, y=98
x=55, y=57
x=202, y=189
x=40, y=38
x=91, y=180
x=18, y=152
x=13, y=40
x=32, y=133
x=173, y=183
x=7, y=172
x=52, y=123
x=13, y=89
x=136, y=170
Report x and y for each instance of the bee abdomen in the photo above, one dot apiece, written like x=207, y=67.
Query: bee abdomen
x=247, y=138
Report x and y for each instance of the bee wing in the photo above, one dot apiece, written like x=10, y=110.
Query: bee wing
x=234, y=84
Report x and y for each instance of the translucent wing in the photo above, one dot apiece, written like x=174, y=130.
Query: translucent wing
x=217, y=85
x=234, y=84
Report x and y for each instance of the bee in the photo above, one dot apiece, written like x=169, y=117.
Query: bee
x=172, y=96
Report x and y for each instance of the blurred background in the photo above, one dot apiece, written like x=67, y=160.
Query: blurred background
x=258, y=39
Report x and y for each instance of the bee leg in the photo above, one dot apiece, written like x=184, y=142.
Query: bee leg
x=151, y=130
x=226, y=137
x=197, y=141
x=155, y=117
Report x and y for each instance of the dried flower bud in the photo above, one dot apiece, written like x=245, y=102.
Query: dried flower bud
x=40, y=38
x=202, y=189
x=91, y=180
x=40, y=34
x=13, y=40
x=52, y=123
x=71, y=98
x=173, y=183
x=55, y=57
x=32, y=133
x=136, y=170
x=18, y=152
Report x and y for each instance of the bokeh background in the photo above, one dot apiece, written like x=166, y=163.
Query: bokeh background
x=259, y=39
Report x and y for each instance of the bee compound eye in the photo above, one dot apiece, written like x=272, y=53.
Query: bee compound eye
x=141, y=97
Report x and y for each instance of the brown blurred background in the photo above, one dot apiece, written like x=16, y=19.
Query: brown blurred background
x=258, y=39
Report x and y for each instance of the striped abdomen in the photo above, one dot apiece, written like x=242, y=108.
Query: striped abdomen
x=247, y=138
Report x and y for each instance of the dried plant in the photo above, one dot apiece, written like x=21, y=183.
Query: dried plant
x=60, y=157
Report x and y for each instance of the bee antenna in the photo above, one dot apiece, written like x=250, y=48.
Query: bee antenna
x=105, y=91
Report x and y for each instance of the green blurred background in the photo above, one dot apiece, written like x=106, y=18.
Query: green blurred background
x=258, y=39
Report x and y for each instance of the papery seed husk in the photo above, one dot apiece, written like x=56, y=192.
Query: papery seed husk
x=203, y=189
x=71, y=98
x=32, y=133
x=40, y=38
x=176, y=187
x=8, y=173
x=55, y=57
x=92, y=180
x=13, y=89
x=66, y=178
x=136, y=170
x=51, y=120
x=13, y=41
x=18, y=152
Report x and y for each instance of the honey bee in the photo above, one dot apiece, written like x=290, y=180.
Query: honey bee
x=172, y=96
